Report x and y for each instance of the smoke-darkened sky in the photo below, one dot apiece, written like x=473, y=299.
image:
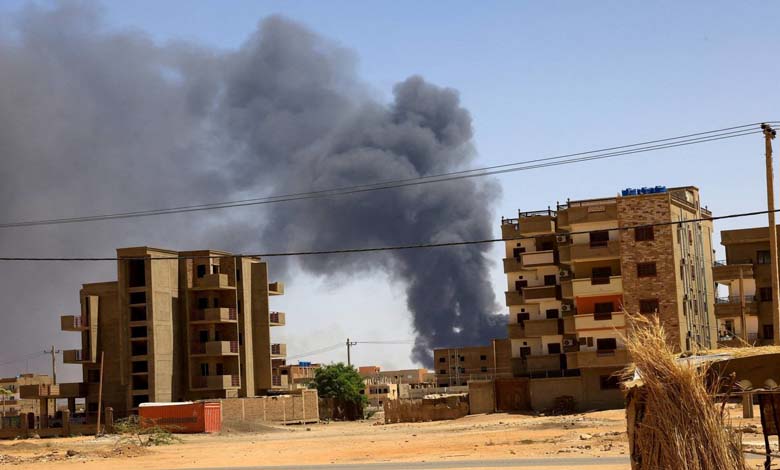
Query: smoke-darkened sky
x=102, y=102
x=94, y=121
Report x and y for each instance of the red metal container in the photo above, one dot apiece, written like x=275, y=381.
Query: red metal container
x=184, y=417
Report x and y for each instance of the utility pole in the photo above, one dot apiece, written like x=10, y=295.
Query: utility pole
x=770, y=134
x=349, y=355
x=53, y=351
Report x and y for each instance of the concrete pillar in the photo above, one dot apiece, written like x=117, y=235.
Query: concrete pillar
x=25, y=424
x=44, y=413
x=109, y=424
x=747, y=405
x=66, y=423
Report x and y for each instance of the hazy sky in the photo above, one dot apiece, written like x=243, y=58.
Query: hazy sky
x=540, y=79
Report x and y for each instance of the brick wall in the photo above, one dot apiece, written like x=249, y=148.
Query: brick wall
x=662, y=286
x=246, y=413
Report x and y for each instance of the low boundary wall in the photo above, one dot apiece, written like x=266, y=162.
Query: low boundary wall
x=427, y=409
x=246, y=413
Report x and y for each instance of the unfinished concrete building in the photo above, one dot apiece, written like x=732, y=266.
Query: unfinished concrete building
x=572, y=272
x=744, y=312
x=174, y=326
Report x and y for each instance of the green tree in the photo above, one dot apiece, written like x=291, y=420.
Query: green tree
x=339, y=381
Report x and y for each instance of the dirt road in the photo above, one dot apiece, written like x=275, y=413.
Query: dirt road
x=481, y=441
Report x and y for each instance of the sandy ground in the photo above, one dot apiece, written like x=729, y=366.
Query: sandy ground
x=485, y=437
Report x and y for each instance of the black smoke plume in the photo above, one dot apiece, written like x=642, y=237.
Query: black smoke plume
x=95, y=121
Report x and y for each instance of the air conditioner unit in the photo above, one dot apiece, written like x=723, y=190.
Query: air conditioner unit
x=562, y=238
x=568, y=342
x=564, y=273
x=565, y=308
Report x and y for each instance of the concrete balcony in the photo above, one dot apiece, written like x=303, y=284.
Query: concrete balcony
x=543, y=362
x=278, y=350
x=539, y=293
x=727, y=273
x=529, y=222
x=76, y=356
x=214, y=315
x=276, y=288
x=586, y=359
x=73, y=323
x=535, y=328
x=588, y=212
x=513, y=298
x=731, y=306
x=65, y=390
x=215, y=348
x=215, y=281
x=276, y=318
x=216, y=382
x=588, y=287
x=589, y=252
x=592, y=321
x=529, y=260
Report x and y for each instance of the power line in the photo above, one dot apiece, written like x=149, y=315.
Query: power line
x=609, y=152
x=389, y=248
x=332, y=347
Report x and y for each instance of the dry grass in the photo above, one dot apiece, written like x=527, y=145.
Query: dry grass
x=679, y=426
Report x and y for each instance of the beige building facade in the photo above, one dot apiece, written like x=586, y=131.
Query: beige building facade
x=744, y=306
x=573, y=272
x=456, y=366
x=175, y=326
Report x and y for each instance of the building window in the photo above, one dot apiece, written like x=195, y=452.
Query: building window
x=553, y=348
x=483, y=369
x=238, y=274
x=583, y=341
x=214, y=269
x=645, y=269
x=521, y=317
x=601, y=275
x=443, y=371
x=552, y=313
x=203, y=302
x=648, y=306
x=765, y=294
x=201, y=270
x=138, y=367
x=599, y=238
x=606, y=344
x=136, y=273
x=442, y=359
x=461, y=358
x=769, y=332
x=204, y=369
x=763, y=257
x=609, y=382
x=599, y=316
x=483, y=357
x=549, y=280
x=643, y=234
x=138, y=297
x=137, y=400
x=602, y=308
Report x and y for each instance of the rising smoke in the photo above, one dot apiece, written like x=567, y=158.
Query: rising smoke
x=94, y=121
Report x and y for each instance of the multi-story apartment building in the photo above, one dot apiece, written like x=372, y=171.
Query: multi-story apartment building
x=13, y=405
x=456, y=366
x=744, y=313
x=174, y=326
x=572, y=272
x=294, y=376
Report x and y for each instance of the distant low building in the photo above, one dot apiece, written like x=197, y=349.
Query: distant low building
x=294, y=376
x=456, y=366
x=14, y=405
